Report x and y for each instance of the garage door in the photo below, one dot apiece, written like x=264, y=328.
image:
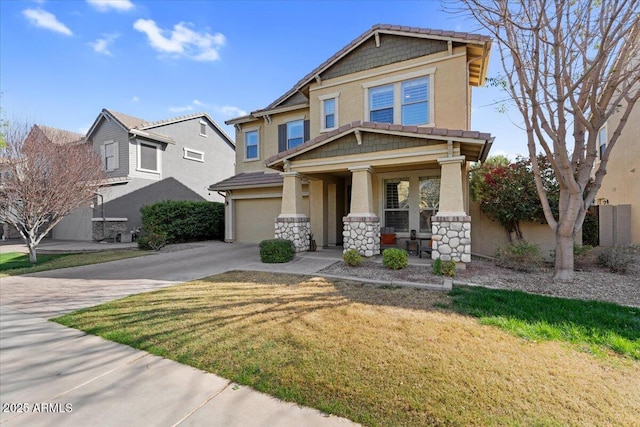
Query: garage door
x=254, y=219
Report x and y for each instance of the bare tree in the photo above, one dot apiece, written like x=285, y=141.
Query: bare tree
x=569, y=66
x=46, y=175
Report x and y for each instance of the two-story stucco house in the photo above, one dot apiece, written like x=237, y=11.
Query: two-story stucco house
x=376, y=136
x=148, y=162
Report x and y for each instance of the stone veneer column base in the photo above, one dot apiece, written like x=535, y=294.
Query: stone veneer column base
x=296, y=229
x=361, y=233
x=451, y=237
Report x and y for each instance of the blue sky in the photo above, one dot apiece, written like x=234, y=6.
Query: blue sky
x=61, y=62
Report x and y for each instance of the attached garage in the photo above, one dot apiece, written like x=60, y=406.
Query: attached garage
x=254, y=219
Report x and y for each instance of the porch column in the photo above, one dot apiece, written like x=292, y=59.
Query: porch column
x=451, y=226
x=292, y=224
x=362, y=226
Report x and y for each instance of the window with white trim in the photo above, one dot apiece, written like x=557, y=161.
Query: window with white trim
x=602, y=140
x=396, y=204
x=148, y=157
x=405, y=99
x=295, y=133
x=196, y=155
x=251, y=142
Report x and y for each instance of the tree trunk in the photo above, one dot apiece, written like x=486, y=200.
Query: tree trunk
x=564, y=258
x=32, y=254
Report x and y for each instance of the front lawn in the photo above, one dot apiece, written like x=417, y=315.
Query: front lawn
x=16, y=263
x=376, y=355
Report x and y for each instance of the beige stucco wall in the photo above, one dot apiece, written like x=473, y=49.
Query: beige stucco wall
x=487, y=235
x=621, y=184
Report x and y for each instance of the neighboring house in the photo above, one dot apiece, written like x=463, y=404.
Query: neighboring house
x=619, y=195
x=148, y=162
x=376, y=136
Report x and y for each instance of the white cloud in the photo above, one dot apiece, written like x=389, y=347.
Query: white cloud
x=101, y=45
x=182, y=40
x=199, y=103
x=106, y=5
x=181, y=109
x=231, y=111
x=43, y=19
x=135, y=99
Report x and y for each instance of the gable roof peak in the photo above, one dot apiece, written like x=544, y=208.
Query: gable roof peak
x=129, y=122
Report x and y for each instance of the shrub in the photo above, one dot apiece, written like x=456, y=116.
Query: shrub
x=152, y=241
x=352, y=257
x=184, y=221
x=444, y=268
x=617, y=259
x=276, y=250
x=522, y=256
x=584, y=257
x=590, y=227
x=395, y=258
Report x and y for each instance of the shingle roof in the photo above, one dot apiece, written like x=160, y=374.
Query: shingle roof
x=408, y=130
x=126, y=120
x=60, y=136
x=453, y=35
x=248, y=180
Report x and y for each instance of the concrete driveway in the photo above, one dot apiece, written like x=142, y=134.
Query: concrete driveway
x=52, y=375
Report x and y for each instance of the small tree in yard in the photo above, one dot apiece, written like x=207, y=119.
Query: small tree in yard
x=507, y=192
x=46, y=177
x=569, y=66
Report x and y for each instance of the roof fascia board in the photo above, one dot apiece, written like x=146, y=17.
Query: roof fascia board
x=286, y=109
x=137, y=133
x=104, y=114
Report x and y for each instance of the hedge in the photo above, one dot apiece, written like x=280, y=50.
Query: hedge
x=183, y=221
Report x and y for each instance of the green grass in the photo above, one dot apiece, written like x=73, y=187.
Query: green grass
x=591, y=325
x=378, y=356
x=16, y=263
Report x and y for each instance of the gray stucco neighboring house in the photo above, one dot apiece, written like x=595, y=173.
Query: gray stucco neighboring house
x=147, y=162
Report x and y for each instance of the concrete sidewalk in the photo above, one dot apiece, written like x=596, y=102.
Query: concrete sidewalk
x=67, y=377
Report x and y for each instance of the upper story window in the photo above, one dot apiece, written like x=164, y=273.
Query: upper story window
x=602, y=140
x=329, y=106
x=148, y=157
x=203, y=128
x=381, y=104
x=405, y=99
x=251, y=145
x=110, y=156
x=196, y=155
x=295, y=133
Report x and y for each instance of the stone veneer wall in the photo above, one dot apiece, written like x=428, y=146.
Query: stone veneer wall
x=295, y=229
x=362, y=234
x=451, y=237
x=109, y=229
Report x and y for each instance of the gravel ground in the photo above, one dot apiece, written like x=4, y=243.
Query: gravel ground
x=591, y=284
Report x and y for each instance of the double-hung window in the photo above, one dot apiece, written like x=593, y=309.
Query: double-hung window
x=396, y=204
x=381, y=104
x=251, y=145
x=329, y=116
x=295, y=133
x=148, y=157
x=110, y=159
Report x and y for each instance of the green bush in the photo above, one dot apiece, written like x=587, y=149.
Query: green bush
x=184, y=221
x=521, y=256
x=395, y=258
x=276, y=250
x=352, y=257
x=444, y=268
x=617, y=259
x=152, y=241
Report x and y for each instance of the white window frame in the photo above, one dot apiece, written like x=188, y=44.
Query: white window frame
x=335, y=96
x=139, y=156
x=188, y=154
x=397, y=81
x=203, y=126
x=247, y=131
x=602, y=147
